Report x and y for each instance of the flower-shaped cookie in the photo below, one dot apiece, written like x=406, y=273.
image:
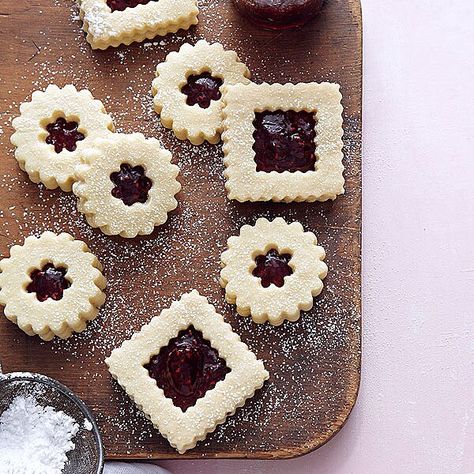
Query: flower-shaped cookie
x=114, y=22
x=126, y=184
x=51, y=285
x=188, y=88
x=53, y=129
x=273, y=270
x=282, y=142
x=187, y=370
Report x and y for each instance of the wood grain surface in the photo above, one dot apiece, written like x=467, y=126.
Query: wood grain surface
x=315, y=362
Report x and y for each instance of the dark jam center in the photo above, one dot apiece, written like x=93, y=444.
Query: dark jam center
x=131, y=184
x=272, y=268
x=63, y=134
x=187, y=368
x=49, y=282
x=202, y=89
x=279, y=14
x=284, y=141
x=121, y=5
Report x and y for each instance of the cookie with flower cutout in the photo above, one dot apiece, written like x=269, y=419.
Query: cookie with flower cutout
x=283, y=142
x=114, y=22
x=52, y=131
x=187, y=370
x=126, y=185
x=188, y=87
x=51, y=285
x=273, y=270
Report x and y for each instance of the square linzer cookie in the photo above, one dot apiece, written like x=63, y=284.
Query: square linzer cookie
x=283, y=142
x=114, y=22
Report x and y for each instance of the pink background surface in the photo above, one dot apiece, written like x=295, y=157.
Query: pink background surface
x=415, y=412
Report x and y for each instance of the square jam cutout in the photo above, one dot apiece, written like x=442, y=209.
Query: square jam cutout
x=285, y=141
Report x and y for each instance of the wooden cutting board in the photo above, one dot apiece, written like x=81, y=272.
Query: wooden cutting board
x=315, y=362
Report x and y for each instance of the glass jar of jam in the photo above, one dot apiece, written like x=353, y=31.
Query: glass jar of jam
x=279, y=14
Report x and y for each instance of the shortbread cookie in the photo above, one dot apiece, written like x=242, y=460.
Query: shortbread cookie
x=51, y=285
x=153, y=367
x=53, y=129
x=114, y=22
x=188, y=87
x=126, y=185
x=283, y=142
x=273, y=270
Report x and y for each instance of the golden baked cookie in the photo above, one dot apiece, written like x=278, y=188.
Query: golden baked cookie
x=187, y=89
x=154, y=368
x=51, y=285
x=283, y=142
x=273, y=270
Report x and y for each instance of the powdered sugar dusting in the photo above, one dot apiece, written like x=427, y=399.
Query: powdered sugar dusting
x=146, y=274
x=34, y=438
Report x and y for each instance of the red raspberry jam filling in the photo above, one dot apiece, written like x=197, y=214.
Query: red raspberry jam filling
x=131, y=184
x=121, y=5
x=272, y=268
x=284, y=141
x=63, y=134
x=49, y=282
x=202, y=89
x=187, y=368
x=279, y=14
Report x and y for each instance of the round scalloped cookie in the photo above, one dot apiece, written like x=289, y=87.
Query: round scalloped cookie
x=35, y=303
x=53, y=163
x=126, y=185
x=193, y=122
x=302, y=282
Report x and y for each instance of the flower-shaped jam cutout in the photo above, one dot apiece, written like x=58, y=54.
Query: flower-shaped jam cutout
x=272, y=268
x=187, y=368
x=131, y=184
x=49, y=282
x=63, y=134
x=201, y=89
x=284, y=277
x=284, y=141
x=121, y=5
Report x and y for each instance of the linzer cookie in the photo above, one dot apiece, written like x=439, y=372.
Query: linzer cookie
x=126, y=185
x=273, y=270
x=114, y=22
x=53, y=129
x=51, y=285
x=188, y=88
x=283, y=142
x=187, y=370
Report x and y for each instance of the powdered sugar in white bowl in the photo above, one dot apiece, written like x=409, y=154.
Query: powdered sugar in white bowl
x=45, y=428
